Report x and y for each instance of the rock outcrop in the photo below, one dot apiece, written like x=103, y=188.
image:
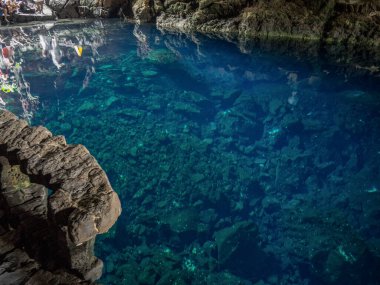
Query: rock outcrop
x=239, y=243
x=345, y=21
x=356, y=21
x=85, y=8
x=54, y=200
x=47, y=15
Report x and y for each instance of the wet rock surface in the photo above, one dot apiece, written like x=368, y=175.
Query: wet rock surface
x=47, y=234
x=355, y=22
x=347, y=22
x=85, y=8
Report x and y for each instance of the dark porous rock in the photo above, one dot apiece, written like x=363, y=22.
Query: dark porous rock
x=186, y=109
x=182, y=221
x=43, y=277
x=10, y=271
x=85, y=8
x=353, y=28
x=239, y=251
x=225, y=278
x=65, y=9
x=143, y=11
x=342, y=264
x=58, y=231
x=350, y=22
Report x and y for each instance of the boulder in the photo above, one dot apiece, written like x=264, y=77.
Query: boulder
x=81, y=205
x=239, y=251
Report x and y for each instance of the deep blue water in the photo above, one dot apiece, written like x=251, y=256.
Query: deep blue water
x=252, y=164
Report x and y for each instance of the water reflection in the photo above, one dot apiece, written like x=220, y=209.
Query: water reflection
x=53, y=50
x=142, y=41
x=57, y=51
x=15, y=90
x=203, y=142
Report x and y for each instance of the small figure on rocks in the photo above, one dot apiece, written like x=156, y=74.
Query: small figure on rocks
x=4, y=11
x=39, y=6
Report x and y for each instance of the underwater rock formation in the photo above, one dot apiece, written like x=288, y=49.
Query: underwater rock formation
x=238, y=243
x=55, y=199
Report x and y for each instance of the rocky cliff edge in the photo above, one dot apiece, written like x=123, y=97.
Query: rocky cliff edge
x=54, y=200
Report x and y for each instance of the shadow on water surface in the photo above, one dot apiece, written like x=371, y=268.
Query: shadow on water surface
x=255, y=163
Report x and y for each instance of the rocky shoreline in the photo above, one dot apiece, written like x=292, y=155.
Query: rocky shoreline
x=351, y=23
x=55, y=199
x=347, y=22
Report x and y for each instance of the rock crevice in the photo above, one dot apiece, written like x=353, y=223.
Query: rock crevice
x=55, y=199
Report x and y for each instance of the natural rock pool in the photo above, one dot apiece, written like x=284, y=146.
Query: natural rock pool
x=235, y=164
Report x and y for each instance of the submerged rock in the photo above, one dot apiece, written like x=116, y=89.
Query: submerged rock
x=86, y=106
x=182, y=221
x=239, y=252
x=347, y=263
x=111, y=101
x=161, y=56
x=149, y=73
x=186, y=108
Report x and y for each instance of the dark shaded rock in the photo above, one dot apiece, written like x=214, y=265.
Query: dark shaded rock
x=16, y=267
x=229, y=99
x=225, y=278
x=351, y=22
x=43, y=277
x=271, y=205
x=187, y=109
x=182, y=221
x=342, y=264
x=238, y=251
x=171, y=278
x=85, y=8
x=353, y=28
x=292, y=124
x=48, y=15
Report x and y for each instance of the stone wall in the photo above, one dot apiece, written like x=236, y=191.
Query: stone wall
x=345, y=21
x=54, y=200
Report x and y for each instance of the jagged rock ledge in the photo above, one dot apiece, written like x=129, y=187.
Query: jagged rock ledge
x=348, y=22
x=54, y=200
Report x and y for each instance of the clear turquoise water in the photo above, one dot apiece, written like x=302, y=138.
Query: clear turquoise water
x=257, y=165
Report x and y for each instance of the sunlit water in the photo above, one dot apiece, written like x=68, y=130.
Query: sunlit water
x=232, y=168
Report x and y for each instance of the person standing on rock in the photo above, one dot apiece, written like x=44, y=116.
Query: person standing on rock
x=39, y=6
x=4, y=11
